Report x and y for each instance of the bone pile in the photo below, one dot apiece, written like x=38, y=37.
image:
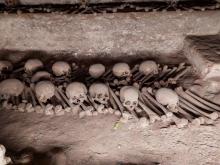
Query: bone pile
x=147, y=92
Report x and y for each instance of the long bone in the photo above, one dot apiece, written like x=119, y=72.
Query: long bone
x=151, y=106
x=164, y=71
x=210, y=104
x=191, y=99
x=112, y=102
x=34, y=102
x=116, y=99
x=180, y=67
x=173, y=71
x=109, y=71
x=60, y=99
x=168, y=74
x=199, y=119
x=180, y=122
x=145, y=92
x=146, y=78
x=152, y=115
x=60, y=91
x=179, y=75
x=213, y=115
x=194, y=121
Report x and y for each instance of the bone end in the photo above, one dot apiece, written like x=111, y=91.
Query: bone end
x=196, y=122
x=214, y=115
x=182, y=123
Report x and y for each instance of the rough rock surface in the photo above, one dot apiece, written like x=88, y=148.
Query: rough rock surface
x=110, y=36
x=203, y=53
x=94, y=141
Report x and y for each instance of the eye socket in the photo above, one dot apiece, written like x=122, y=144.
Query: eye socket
x=135, y=103
x=99, y=95
x=127, y=103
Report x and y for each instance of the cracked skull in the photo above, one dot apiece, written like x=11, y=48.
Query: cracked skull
x=129, y=97
x=5, y=66
x=32, y=65
x=44, y=90
x=99, y=93
x=76, y=92
x=121, y=70
x=167, y=97
x=61, y=68
x=148, y=67
x=11, y=87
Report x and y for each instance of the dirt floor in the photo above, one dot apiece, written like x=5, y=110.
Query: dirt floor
x=93, y=140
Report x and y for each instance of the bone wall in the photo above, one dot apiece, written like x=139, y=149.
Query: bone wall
x=110, y=36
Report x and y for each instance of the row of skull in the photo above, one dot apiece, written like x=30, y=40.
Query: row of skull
x=77, y=93
x=62, y=68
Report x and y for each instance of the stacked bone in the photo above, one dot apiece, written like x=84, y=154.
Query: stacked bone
x=146, y=93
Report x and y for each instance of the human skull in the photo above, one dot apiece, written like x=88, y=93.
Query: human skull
x=99, y=92
x=5, y=66
x=148, y=67
x=32, y=65
x=2, y=151
x=11, y=87
x=96, y=70
x=121, y=70
x=3, y=158
x=40, y=75
x=44, y=90
x=61, y=68
x=76, y=92
x=167, y=97
x=129, y=97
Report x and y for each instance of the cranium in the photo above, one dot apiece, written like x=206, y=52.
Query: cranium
x=32, y=65
x=167, y=97
x=61, y=68
x=99, y=93
x=44, y=90
x=5, y=66
x=121, y=70
x=129, y=97
x=76, y=92
x=3, y=159
x=11, y=87
x=148, y=67
x=96, y=70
